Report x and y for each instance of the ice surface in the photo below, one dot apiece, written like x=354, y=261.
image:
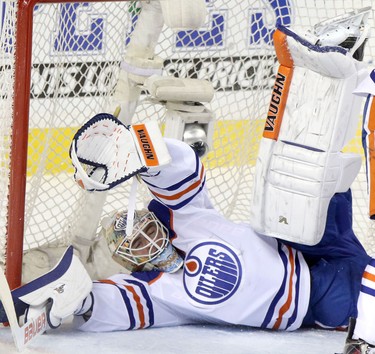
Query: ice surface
x=181, y=340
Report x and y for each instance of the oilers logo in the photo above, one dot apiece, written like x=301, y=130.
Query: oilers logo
x=212, y=273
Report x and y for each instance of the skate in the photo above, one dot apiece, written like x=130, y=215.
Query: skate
x=356, y=346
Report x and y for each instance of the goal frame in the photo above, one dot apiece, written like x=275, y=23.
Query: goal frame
x=241, y=75
x=19, y=139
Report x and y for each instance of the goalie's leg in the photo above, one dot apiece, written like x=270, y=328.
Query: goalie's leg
x=363, y=334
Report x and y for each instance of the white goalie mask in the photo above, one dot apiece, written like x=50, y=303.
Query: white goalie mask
x=147, y=247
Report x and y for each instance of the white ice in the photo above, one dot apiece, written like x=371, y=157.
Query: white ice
x=181, y=340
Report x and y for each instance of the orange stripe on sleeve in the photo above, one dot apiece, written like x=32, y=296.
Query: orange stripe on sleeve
x=185, y=191
x=288, y=302
x=139, y=305
x=107, y=281
x=136, y=298
x=369, y=276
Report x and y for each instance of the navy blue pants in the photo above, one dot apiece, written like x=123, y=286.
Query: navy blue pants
x=336, y=263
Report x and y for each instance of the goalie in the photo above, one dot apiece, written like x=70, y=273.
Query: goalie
x=189, y=264
x=225, y=264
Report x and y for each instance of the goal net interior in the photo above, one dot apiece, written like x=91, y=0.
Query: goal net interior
x=75, y=56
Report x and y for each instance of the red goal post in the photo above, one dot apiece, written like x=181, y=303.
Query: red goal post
x=40, y=107
x=19, y=142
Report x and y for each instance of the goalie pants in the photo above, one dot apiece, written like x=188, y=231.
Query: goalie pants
x=337, y=264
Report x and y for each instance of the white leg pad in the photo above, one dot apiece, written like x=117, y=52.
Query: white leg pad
x=311, y=118
x=298, y=184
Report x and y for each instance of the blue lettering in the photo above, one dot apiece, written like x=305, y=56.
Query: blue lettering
x=220, y=255
x=6, y=28
x=224, y=266
x=221, y=260
x=206, y=287
x=218, y=277
x=208, y=292
x=221, y=271
x=260, y=33
x=69, y=37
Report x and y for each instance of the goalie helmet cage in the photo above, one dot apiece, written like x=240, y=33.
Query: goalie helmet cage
x=59, y=64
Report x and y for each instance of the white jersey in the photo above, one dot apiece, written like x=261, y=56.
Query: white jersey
x=367, y=89
x=231, y=275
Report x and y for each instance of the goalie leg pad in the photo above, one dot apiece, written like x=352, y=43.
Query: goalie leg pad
x=299, y=185
x=300, y=166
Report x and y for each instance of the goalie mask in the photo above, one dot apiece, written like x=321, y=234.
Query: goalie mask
x=147, y=247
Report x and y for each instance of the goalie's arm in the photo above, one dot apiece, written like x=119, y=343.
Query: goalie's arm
x=182, y=181
x=106, y=153
x=139, y=63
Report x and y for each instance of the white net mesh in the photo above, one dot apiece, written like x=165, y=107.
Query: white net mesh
x=8, y=18
x=77, y=49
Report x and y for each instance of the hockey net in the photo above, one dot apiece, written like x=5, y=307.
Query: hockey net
x=76, y=50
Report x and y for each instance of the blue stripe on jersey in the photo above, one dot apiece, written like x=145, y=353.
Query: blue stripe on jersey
x=148, y=276
x=163, y=213
x=126, y=300
x=281, y=291
x=372, y=262
x=177, y=185
x=187, y=200
x=367, y=290
x=128, y=306
x=296, y=299
x=147, y=298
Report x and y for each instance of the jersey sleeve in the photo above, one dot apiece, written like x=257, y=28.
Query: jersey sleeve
x=367, y=89
x=125, y=302
x=182, y=181
x=368, y=139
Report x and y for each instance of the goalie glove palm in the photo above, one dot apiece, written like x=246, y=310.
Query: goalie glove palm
x=105, y=152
